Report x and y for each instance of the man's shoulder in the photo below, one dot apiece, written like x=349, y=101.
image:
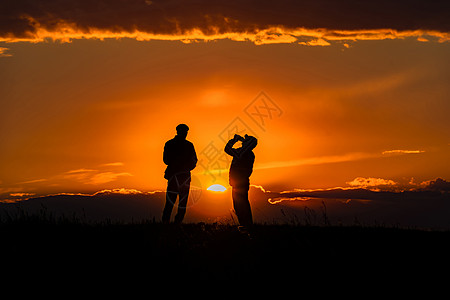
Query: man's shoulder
x=171, y=144
x=178, y=142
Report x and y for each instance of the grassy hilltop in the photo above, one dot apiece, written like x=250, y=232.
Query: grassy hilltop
x=215, y=251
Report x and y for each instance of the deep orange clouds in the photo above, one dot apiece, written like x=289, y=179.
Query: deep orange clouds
x=21, y=18
x=306, y=21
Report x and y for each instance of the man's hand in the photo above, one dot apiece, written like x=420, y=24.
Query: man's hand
x=237, y=137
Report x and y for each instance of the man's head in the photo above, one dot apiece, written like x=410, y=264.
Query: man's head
x=249, y=142
x=182, y=130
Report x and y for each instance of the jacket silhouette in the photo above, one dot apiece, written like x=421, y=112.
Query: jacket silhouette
x=180, y=157
x=239, y=177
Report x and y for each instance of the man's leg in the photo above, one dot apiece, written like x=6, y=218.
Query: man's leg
x=171, y=197
x=182, y=202
x=242, y=206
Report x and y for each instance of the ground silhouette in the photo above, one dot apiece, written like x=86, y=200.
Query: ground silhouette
x=215, y=252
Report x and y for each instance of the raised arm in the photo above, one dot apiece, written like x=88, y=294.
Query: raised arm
x=229, y=146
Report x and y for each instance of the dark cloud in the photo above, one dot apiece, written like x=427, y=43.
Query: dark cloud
x=23, y=18
x=362, y=194
x=439, y=185
x=427, y=205
x=118, y=205
x=432, y=189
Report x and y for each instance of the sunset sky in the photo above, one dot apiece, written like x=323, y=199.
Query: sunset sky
x=339, y=93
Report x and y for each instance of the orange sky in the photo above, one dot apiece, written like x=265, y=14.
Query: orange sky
x=81, y=114
x=95, y=114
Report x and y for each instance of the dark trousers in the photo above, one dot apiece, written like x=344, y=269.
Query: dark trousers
x=177, y=186
x=242, y=205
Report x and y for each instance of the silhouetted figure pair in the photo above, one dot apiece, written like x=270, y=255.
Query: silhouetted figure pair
x=180, y=157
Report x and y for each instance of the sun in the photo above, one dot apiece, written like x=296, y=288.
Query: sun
x=217, y=188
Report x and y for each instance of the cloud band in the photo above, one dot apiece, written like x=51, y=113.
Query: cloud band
x=308, y=22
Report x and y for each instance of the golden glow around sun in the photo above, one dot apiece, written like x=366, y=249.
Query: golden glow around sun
x=217, y=188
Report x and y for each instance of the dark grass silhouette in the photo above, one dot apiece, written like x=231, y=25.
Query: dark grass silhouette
x=212, y=252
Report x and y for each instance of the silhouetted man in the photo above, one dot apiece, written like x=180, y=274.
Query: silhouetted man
x=180, y=157
x=240, y=171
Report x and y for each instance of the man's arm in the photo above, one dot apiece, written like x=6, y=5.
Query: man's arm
x=167, y=157
x=194, y=159
x=229, y=146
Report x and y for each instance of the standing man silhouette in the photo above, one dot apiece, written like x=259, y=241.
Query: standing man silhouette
x=180, y=157
x=240, y=170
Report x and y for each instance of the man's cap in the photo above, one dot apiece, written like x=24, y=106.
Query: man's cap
x=250, y=142
x=182, y=128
